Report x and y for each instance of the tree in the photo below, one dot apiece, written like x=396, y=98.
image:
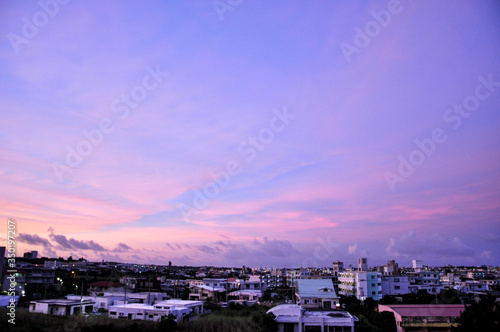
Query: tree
x=388, y=299
x=481, y=316
x=449, y=296
x=168, y=323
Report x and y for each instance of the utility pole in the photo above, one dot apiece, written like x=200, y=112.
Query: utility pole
x=149, y=288
x=125, y=294
x=81, y=300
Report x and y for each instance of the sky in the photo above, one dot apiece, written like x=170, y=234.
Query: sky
x=256, y=133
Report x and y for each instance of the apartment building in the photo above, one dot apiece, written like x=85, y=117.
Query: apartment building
x=182, y=310
x=294, y=318
x=395, y=285
x=361, y=284
x=316, y=293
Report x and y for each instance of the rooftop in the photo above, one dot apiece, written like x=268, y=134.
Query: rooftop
x=427, y=310
x=315, y=288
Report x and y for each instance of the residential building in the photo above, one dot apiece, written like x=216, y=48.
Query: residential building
x=391, y=268
x=316, y=293
x=61, y=307
x=203, y=292
x=100, y=302
x=33, y=278
x=417, y=265
x=429, y=281
x=294, y=318
x=361, y=285
x=338, y=268
x=471, y=287
x=291, y=277
x=362, y=264
x=98, y=288
x=274, y=279
x=395, y=285
x=449, y=280
x=31, y=255
x=424, y=317
x=183, y=310
x=247, y=290
x=129, y=297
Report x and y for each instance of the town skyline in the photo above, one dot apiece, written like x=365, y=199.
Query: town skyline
x=250, y=133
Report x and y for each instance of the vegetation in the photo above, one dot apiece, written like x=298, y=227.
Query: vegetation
x=446, y=296
x=481, y=316
x=234, y=318
x=369, y=319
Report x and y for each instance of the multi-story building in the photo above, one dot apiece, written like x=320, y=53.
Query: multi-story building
x=98, y=288
x=181, y=309
x=61, y=307
x=33, y=278
x=215, y=288
x=291, y=277
x=275, y=278
x=294, y=318
x=449, y=280
x=424, y=317
x=395, y=285
x=391, y=268
x=361, y=285
x=338, y=268
x=31, y=254
x=248, y=290
x=425, y=280
x=362, y=264
x=417, y=265
x=316, y=293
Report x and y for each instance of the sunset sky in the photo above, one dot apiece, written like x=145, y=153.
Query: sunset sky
x=253, y=133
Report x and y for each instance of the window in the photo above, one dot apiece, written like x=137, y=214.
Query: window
x=373, y=277
x=112, y=313
x=396, y=279
x=373, y=285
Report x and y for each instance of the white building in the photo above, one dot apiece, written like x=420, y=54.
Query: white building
x=338, y=267
x=203, y=292
x=424, y=317
x=181, y=309
x=362, y=264
x=61, y=307
x=361, y=285
x=316, y=293
x=471, y=287
x=429, y=281
x=417, y=265
x=395, y=285
x=293, y=318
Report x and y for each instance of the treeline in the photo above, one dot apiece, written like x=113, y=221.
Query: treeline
x=235, y=318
